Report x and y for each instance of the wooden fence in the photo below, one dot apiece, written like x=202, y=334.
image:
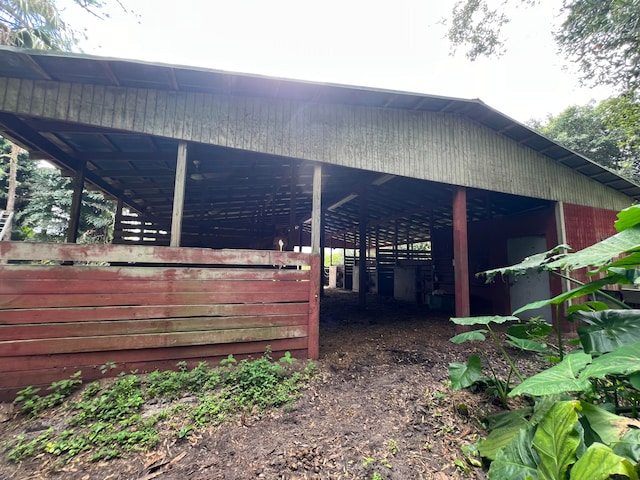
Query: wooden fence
x=66, y=307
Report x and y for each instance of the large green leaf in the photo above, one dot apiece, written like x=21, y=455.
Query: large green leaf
x=602, y=253
x=627, y=218
x=486, y=320
x=526, y=344
x=533, y=262
x=504, y=428
x=609, y=426
x=530, y=330
x=469, y=336
x=607, y=330
x=599, y=462
x=577, y=292
x=556, y=440
x=463, y=375
x=560, y=378
x=516, y=461
x=629, y=446
x=622, y=361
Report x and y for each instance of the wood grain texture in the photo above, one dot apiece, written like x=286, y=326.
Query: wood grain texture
x=181, y=304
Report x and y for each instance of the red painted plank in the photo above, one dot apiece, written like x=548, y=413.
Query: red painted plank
x=46, y=315
x=144, y=254
x=83, y=286
x=119, y=342
x=94, y=360
x=124, y=327
x=293, y=293
x=51, y=272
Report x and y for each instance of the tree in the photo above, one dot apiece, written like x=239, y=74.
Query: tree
x=601, y=36
x=38, y=23
x=598, y=132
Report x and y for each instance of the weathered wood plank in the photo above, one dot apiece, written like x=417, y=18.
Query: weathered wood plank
x=81, y=314
x=148, y=274
x=124, y=342
x=143, y=254
x=181, y=298
x=69, y=361
x=129, y=327
x=89, y=286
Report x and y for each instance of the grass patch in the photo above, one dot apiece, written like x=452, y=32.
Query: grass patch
x=107, y=420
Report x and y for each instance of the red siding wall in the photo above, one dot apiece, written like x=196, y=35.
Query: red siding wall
x=587, y=225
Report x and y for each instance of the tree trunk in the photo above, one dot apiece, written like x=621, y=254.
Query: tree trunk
x=13, y=181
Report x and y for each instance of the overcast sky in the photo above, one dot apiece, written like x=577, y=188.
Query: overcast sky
x=394, y=44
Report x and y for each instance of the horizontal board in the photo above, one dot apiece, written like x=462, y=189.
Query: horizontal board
x=81, y=314
x=113, y=273
x=165, y=325
x=94, y=360
x=143, y=254
x=83, y=286
x=119, y=342
x=293, y=293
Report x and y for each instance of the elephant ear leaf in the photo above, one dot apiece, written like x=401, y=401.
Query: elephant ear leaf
x=463, y=375
x=627, y=218
x=622, y=361
x=606, y=330
x=599, y=462
x=558, y=379
x=556, y=440
x=516, y=461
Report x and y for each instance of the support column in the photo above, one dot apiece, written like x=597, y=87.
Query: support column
x=461, y=252
x=178, y=194
x=293, y=186
x=76, y=206
x=313, y=347
x=362, y=250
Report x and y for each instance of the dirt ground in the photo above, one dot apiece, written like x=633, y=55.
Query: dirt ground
x=379, y=407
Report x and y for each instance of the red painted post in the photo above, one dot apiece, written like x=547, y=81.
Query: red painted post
x=313, y=349
x=460, y=252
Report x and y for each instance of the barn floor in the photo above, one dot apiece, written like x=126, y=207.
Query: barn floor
x=380, y=403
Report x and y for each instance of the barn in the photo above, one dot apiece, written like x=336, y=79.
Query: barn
x=229, y=187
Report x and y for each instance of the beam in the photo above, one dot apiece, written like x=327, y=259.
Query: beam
x=316, y=209
x=362, y=250
x=178, y=194
x=76, y=206
x=460, y=252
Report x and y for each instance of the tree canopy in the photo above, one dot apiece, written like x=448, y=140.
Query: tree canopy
x=600, y=132
x=601, y=36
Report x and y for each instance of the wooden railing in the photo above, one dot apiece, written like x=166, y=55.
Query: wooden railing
x=146, y=308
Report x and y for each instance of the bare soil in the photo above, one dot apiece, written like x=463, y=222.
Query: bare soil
x=379, y=405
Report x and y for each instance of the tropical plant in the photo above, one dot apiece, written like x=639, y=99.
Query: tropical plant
x=578, y=425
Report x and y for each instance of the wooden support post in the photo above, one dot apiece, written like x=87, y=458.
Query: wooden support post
x=178, y=194
x=362, y=254
x=316, y=221
x=293, y=186
x=76, y=206
x=460, y=252
x=323, y=212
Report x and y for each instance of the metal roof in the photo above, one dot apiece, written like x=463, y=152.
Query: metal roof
x=141, y=167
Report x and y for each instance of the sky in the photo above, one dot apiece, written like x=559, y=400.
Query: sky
x=390, y=44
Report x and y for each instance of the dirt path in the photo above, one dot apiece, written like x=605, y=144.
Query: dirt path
x=379, y=408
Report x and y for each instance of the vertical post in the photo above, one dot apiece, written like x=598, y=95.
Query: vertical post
x=323, y=212
x=76, y=205
x=293, y=186
x=559, y=321
x=362, y=253
x=313, y=346
x=117, y=222
x=178, y=194
x=460, y=252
